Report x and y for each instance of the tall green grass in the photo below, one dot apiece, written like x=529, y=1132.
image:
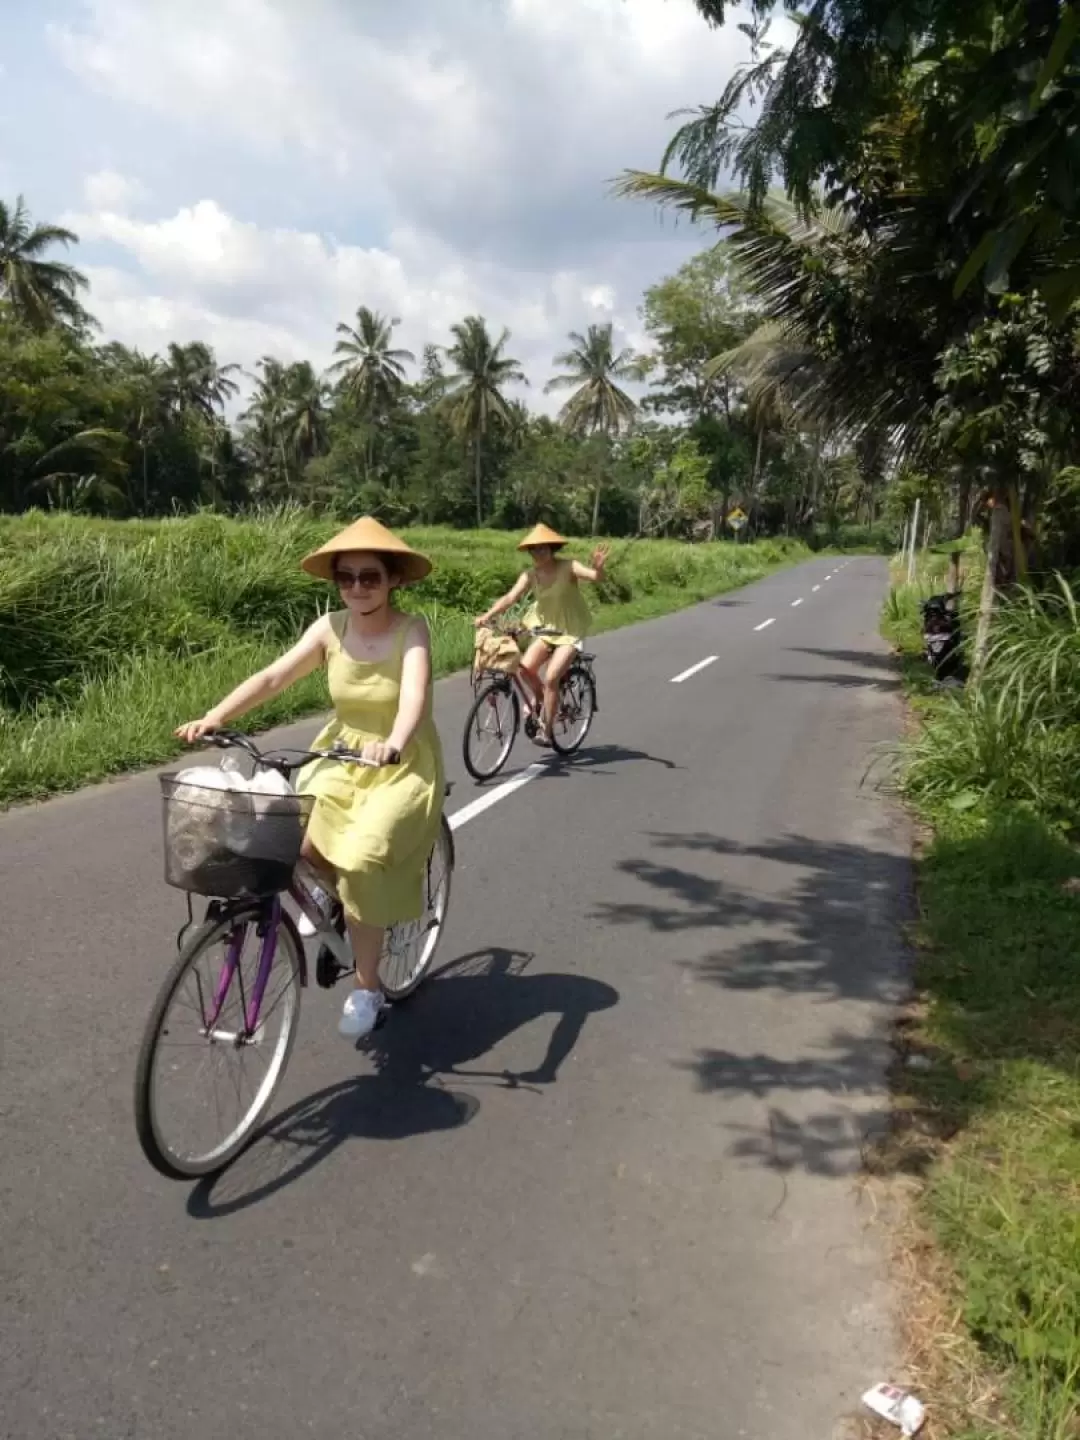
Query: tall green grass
x=996, y=773
x=1014, y=738
x=111, y=633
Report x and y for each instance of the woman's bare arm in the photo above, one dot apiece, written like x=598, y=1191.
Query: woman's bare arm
x=415, y=684
x=512, y=596
x=596, y=570
x=306, y=655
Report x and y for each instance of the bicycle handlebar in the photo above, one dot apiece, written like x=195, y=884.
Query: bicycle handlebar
x=276, y=760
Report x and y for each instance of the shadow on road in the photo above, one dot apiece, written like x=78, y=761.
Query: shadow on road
x=847, y=680
x=821, y=923
x=595, y=759
x=464, y=1012
x=870, y=659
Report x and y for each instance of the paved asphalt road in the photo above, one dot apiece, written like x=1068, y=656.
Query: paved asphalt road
x=684, y=943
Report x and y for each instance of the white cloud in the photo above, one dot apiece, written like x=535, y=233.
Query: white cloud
x=428, y=159
x=203, y=274
x=108, y=190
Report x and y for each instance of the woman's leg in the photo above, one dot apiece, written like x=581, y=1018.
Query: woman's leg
x=558, y=665
x=367, y=944
x=319, y=863
x=531, y=665
x=360, y=1013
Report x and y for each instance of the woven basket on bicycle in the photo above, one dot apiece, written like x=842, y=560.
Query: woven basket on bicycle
x=496, y=653
x=231, y=843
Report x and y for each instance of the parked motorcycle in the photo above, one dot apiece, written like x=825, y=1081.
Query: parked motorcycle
x=943, y=637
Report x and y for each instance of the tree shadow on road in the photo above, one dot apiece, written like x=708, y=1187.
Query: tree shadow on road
x=808, y=920
x=468, y=1007
x=848, y=680
x=869, y=659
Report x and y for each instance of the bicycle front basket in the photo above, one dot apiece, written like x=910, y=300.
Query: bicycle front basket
x=495, y=653
x=230, y=843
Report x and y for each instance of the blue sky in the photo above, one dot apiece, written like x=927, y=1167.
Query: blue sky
x=247, y=172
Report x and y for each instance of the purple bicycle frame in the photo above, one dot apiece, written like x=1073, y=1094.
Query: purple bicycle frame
x=262, y=975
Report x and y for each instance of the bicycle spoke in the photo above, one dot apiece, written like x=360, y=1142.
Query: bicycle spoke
x=190, y=1126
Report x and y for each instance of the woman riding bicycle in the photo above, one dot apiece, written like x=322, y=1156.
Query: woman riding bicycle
x=558, y=606
x=371, y=830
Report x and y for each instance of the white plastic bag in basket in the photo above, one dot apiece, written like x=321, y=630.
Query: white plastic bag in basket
x=194, y=818
x=265, y=785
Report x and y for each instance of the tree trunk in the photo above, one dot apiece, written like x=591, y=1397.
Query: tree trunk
x=596, y=508
x=963, y=505
x=996, y=546
x=478, y=461
x=284, y=463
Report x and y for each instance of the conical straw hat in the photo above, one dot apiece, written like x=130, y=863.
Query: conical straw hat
x=542, y=535
x=367, y=534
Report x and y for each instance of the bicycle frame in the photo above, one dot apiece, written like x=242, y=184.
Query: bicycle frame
x=268, y=925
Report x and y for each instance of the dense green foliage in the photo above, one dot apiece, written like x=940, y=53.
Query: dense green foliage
x=921, y=144
x=103, y=430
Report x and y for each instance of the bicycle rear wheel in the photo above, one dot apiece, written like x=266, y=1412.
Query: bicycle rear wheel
x=490, y=729
x=204, y=1079
x=577, y=706
x=409, y=949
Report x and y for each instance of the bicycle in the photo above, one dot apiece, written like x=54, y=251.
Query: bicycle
x=496, y=712
x=245, y=861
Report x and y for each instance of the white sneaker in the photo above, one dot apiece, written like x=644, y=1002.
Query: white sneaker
x=305, y=925
x=360, y=1013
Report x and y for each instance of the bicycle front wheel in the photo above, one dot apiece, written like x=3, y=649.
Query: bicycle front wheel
x=205, y=1077
x=490, y=729
x=577, y=706
x=409, y=949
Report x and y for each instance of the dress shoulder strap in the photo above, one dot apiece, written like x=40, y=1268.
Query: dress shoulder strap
x=338, y=620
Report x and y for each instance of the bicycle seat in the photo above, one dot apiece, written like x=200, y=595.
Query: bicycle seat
x=584, y=655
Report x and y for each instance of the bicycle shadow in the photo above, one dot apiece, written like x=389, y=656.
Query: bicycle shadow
x=467, y=1008
x=590, y=760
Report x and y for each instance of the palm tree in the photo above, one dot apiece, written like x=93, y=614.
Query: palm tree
x=857, y=312
x=194, y=381
x=266, y=420
x=474, y=391
x=598, y=406
x=40, y=292
x=306, y=415
x=372, y=371
x=147, y=378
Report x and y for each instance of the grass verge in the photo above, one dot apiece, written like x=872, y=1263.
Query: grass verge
x=989, y=1113
x=112, y=633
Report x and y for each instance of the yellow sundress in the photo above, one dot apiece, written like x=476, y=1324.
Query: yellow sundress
x=376, y=827
x=560, y=606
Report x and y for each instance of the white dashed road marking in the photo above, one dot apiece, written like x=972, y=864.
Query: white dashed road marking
x=765, y=624
x=485, y=802
x=685, y=674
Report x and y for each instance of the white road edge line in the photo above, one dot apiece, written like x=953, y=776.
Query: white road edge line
x=484, y=802
x=685, y=674
x=766, y=623
x=796, y=602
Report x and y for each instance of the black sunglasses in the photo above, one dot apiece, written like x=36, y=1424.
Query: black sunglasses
x=366, y=579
